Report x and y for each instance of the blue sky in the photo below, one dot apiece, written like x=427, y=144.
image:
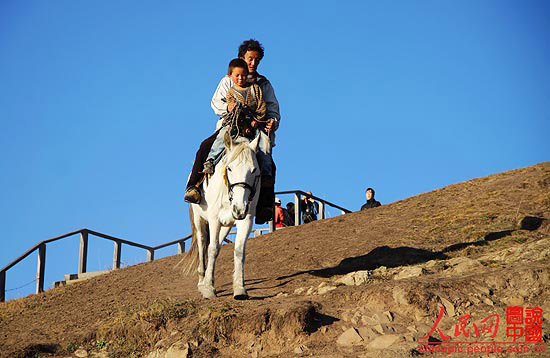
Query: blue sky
x=103, y=105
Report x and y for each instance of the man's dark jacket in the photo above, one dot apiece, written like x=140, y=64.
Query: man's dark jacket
x=372, y=203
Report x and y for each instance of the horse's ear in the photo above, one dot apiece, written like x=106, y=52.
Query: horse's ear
x=254, y=143
x=227, y=140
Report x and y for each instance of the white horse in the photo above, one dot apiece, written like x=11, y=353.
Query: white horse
x=229, y=198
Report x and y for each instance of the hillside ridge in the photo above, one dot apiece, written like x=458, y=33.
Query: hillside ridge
x=475, y=246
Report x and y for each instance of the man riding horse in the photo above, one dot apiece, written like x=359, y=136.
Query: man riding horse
x=252, y=52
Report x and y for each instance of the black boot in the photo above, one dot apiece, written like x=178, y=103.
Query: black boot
x=266, y=201
x=192, y=195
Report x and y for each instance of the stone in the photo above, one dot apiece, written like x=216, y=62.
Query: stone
x=463, y=264
x=419, y=315
x=355, y=278
x=356, y=318
x=380, y=317
x=488, y=301
x=378, y=328
x=431, y=263
x=179, y=350
x=383, y=342
x=366, y=333
x=409, y=272
x=381, y=272
x=300, y=349
x=368, y=321
x=325, y=289
x=349, y=338
x=388, y=315
x=80, y=353
x=299, y=290
x=449, y=307
x=99, y=355
x=324, y=329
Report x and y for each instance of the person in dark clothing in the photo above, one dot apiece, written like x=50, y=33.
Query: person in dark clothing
x=289, y=214
x=371, y=202
x=309, y=208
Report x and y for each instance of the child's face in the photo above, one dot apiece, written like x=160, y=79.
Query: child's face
x=238, y=76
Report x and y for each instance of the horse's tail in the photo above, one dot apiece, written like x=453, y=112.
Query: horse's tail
x=190, y=259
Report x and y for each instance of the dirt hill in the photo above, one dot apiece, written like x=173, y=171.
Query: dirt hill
x=366, y=284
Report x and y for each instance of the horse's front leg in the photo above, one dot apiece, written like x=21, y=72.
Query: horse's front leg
x=243, y=230
x=207, y=288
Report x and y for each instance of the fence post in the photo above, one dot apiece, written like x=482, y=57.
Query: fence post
x=181, y=247
x=321, y=210
x=150, y=255
x=41, y=268
x=2, y=286
x=82, y=263
x=297, y=213
x=116, y=255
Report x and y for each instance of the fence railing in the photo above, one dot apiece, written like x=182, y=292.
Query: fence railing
x=298, y=215
x=118, y=242
x=83, y=258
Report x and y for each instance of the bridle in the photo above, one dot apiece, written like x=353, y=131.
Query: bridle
x=244, y=185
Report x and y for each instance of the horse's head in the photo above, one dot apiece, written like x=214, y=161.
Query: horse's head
x=241, y=174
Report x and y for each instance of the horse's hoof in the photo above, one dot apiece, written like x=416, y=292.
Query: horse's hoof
x=207, y=293
x=241, y=297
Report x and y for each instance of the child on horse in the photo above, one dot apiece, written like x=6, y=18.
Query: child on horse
x=245, y=116
x=246, y=111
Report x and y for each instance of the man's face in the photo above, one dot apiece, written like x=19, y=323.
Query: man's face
x=238, y=76
x=252, y=59
x=369, y=194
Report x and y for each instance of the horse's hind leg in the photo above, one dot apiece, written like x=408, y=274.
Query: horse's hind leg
x=202, y=245
x=207, y=288
x=239, y=254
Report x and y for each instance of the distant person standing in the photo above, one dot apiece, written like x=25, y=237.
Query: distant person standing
x=279, y=214
x=309, y=208
x=289, y=214
x=371, y=202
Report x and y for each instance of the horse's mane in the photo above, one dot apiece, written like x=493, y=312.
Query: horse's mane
x=239, y=153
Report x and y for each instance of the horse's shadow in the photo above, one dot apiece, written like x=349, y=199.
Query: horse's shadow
x=225, y=290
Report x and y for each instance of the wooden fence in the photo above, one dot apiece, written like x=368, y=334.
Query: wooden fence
x=83, y=259
x=84, y=235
